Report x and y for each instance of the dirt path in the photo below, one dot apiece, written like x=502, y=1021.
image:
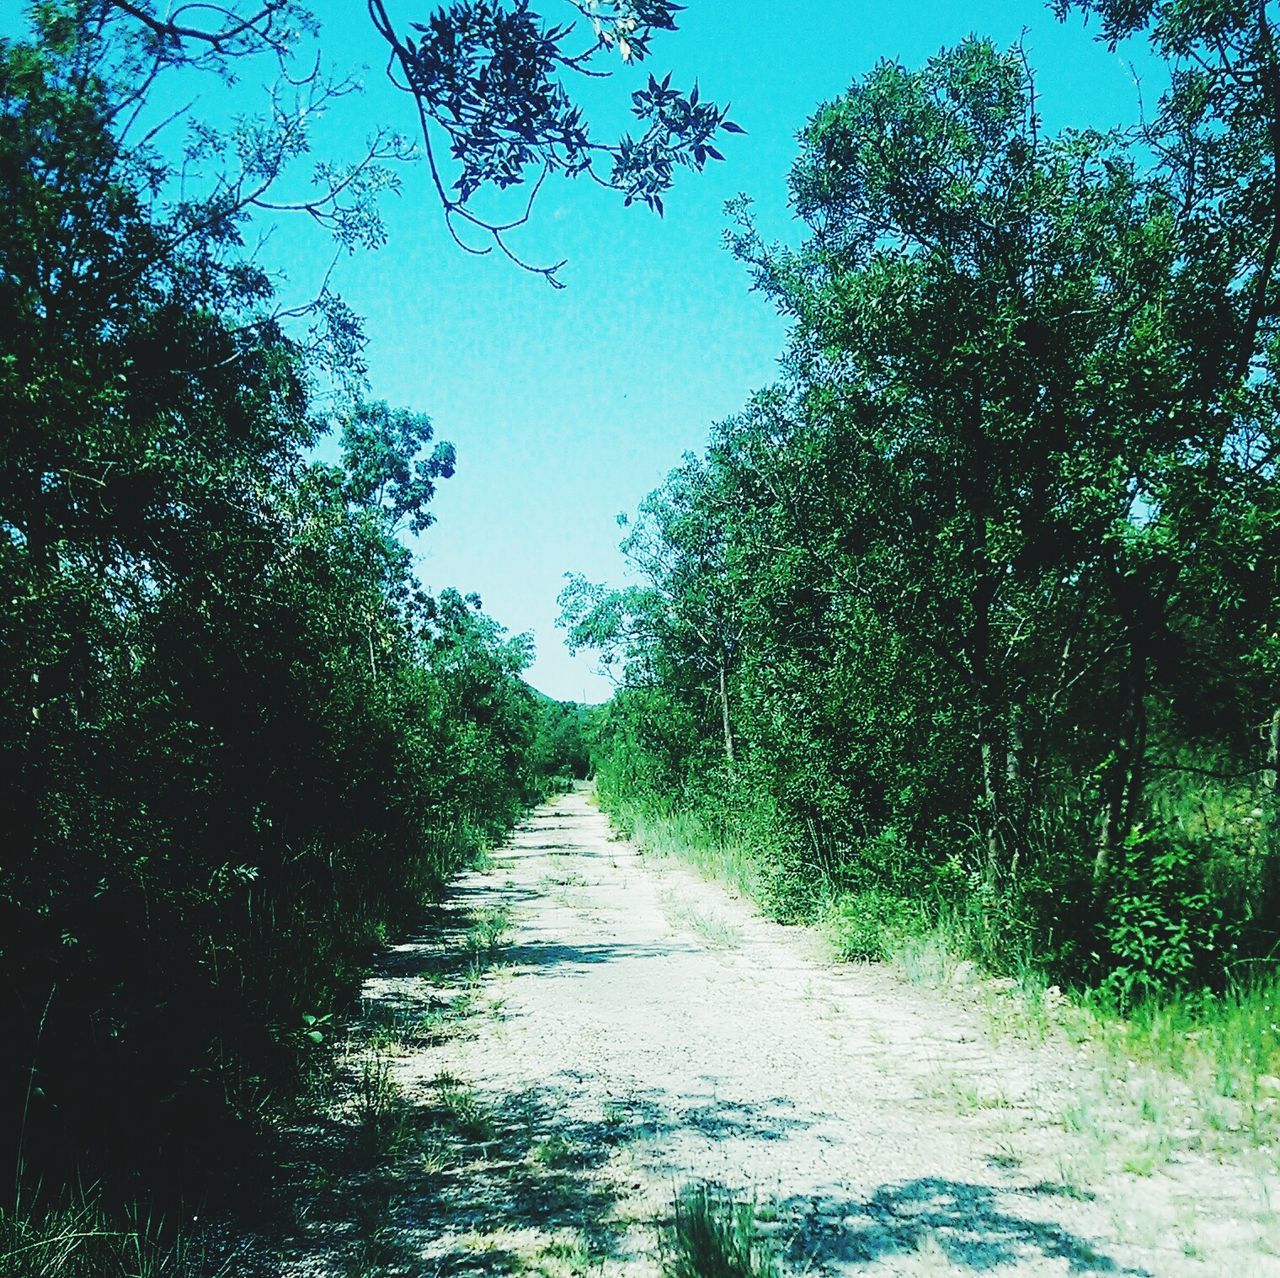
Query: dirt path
x=630, y=1028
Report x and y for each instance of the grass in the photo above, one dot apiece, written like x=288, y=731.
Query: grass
x=379, y=1112
x=399, y=1030
x=80, y=1240
x=489, y=930
x=714, y=1235
x=1224, y=1049
x=553, y=1153
x=712, y=928
x=685, y=838
x=1233, y=1037
x=466, y=1113
x=562, y=1258
x=870, y=925
x=1195, y=1071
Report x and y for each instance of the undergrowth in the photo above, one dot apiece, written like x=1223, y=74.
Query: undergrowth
x=79, y=1238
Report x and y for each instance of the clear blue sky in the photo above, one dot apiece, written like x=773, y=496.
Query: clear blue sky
x=567, y=407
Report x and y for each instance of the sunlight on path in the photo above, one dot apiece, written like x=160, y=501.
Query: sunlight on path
x=632, y=1028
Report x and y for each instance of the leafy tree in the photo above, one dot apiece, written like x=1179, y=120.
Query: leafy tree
x=490, y=82
x=239, y=743
x=998, y=553
x=686, y=616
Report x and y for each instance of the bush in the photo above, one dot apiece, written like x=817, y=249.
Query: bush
x=1162, y=928
x=869, y=925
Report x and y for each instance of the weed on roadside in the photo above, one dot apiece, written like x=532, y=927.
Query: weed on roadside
x=80, y=1240
x=489, y=930
x=714, y=1235
x=563, y=1258
x=379, y=1112
x=712, y=929
x=553, y=1153
x=467, y=1114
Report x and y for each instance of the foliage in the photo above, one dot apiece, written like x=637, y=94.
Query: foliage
x=79, y=1239
x=1163, y=929
x=490, y=79
x=492, y=89
x=714, y=1236
x=239, y=744
x=561, y=750
x=863, y=925
x=972, y=615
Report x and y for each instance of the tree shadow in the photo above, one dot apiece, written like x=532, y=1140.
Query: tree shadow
x=972, y=1224
x=515, y=1166
x=413, y=1178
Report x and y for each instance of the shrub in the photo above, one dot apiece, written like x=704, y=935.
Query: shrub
x=867, y=925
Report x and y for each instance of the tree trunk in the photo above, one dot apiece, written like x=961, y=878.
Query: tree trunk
x=993, y=746
x=1122, y=788
x=1271, y=817
x=991, y=809
x=989, y=693
x=1015, y=797
x=724, y=713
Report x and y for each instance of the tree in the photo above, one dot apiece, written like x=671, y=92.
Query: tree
x=239, y=744
x=1215, y=136
x=973, y=312
x=999, y=548
x=687, y=617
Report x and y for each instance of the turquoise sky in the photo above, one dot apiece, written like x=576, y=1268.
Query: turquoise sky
x=567, y=407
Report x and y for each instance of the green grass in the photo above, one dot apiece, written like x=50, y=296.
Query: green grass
x=489, y=930
x=870, y=925
x=80, y=1240
x=553, y=1153
x=713, y=929
x=1225, y=1046
x=379, y=1112
x=466, y=1113
x=685, y=838
x=714, y=1235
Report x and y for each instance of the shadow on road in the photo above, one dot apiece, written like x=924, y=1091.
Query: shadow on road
x=972, y=1224
x=435, y=1178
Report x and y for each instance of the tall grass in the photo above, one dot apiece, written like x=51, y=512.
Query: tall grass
x=1225, y=1045
x=79, y=1239
x=714, y=1235
x=686, y=837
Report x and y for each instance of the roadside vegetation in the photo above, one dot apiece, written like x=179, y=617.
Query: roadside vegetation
x=714, y=1235
x=241, y=746
x=960, y=640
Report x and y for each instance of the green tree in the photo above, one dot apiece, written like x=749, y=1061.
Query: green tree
x=998, y=552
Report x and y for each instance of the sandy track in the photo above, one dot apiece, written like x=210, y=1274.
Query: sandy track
x=646, y=1030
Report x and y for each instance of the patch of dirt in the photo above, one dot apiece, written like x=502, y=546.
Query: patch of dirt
x=616, y=1027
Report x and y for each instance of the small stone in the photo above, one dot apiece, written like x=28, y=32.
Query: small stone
x=965, y=974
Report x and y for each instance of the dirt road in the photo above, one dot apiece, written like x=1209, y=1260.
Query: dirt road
x=622, y=1028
